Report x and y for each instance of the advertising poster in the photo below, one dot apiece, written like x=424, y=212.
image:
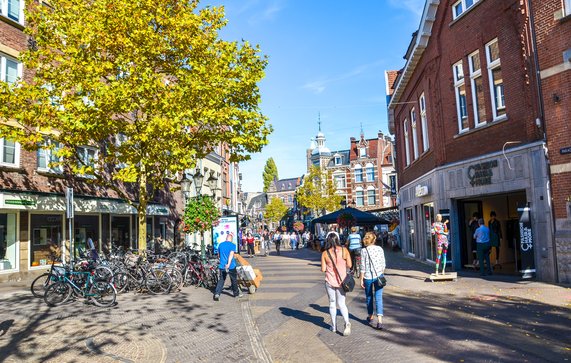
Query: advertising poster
x=228, y=225
x=526, y=242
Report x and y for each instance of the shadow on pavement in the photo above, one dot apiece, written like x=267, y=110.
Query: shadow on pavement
x=302, y=315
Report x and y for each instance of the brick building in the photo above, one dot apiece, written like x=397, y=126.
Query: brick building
x=363, y=173
x=469, y=137
x=32, y=190
x=551, y=20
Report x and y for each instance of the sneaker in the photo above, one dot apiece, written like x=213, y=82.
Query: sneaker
x=216, y=297
x=347, y=330
x=380, y=326
x=333, y=328
x=240, y=295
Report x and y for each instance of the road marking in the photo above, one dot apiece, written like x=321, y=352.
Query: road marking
x=260, y=352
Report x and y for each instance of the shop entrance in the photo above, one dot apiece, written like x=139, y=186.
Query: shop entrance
x=506, y=257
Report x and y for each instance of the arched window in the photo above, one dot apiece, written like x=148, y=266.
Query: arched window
x=371, y=196
x=370, y=170
x=359, y=197
x=358, y=173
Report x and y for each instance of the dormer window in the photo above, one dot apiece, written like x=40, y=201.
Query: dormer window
x=362, y=152
x=338, y=160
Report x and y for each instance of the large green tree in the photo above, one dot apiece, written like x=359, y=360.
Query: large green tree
x=270, y=173
x=275, y=210
x=317, y=193
x=148, y=82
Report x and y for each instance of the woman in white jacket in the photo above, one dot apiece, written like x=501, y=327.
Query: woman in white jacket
x=372, y=266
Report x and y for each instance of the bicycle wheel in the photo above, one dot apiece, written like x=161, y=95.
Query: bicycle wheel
x=57, y=293
x=176, y=277
x=103, y=273
x=41, y=283
x=158, y=281
x=103, y=293
x=121, y=282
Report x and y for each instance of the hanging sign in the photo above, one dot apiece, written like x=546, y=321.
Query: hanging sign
x=69, y=202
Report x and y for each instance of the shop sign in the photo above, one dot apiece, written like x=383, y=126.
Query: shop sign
x=19, y=202
x=481, y=174
x=421, y=190
x=526, y=243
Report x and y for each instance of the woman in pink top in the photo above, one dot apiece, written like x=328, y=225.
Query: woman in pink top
x=334, y=253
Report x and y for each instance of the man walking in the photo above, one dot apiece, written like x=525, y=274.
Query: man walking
x=482, y=236
x=227, y=266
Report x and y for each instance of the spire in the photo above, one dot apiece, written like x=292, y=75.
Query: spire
x=362, y=133
x=319, y=120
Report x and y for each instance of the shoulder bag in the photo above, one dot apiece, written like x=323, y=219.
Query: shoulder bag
x=348, y=284
x=381, y=280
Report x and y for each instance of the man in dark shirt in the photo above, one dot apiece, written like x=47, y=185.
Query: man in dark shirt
x=227, y=266
x=473, y=225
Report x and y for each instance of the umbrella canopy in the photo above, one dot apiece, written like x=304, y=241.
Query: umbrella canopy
x=361, y=218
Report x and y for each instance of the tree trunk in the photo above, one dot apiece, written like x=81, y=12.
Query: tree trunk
x=142, y=212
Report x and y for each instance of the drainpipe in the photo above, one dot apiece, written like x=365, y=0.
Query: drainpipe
x=541, y=121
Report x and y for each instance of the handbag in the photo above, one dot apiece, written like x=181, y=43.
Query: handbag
x=348, y=284
x=381, y=280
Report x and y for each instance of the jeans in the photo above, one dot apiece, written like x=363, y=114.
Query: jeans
x=233, y=280
x=372, y=287
x=483, y=250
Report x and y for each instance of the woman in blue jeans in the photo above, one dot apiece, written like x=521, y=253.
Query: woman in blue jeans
x=372, y=266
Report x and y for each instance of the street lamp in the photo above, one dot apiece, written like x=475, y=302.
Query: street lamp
x=198, y=179
x=185, y=187
x=211, y=182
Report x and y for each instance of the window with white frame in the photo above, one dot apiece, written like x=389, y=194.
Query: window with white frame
x=120, y=139
x=414, y=133
x=461, y=6
x=424, y=122
x=460, y=91
x=567, y=7
x=340, y=182
x=358, y=173
x=13, y=9
x=48, y=161
x=406, y=151
x=9, y=153
x=370, y=172
x=88, y=156
x=477, y=87
x=371, y=197
x=10, y=69
x=362, y=152
x=496, y=79
x=338, y=160
x=359, y=197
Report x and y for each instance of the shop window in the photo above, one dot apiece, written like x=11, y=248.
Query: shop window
x=9, y=153
x=8, y=246
x=85, y=227
x=428, y=215
x=477, y=86
x=120, y=232
x=410, y=230
x=460, y=91
x=424, y=122
x=496, y=79
x=46, y=237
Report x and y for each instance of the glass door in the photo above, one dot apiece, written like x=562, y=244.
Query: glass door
x=428, y=215
x=410, y=231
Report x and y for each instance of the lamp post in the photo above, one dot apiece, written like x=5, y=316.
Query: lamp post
x=212, y=183
x=185, y=187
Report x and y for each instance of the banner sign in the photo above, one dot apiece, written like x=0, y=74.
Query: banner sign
x=526, y=242
x=69, y=202
x=227, y=225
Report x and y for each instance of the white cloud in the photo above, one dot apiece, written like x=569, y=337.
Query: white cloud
x=318, y=86
x=414, y=6
x=262, y=10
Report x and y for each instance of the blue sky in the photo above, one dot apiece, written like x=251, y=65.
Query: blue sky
x=327, y=58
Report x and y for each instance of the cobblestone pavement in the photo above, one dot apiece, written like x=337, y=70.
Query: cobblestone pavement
x=472, y=320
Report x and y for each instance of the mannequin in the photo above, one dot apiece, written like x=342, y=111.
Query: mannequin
x=441, y=231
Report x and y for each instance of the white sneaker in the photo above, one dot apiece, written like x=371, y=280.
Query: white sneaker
x=347, y=330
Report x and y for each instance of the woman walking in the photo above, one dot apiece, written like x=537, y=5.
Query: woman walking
x=372, y=267
x=335, y=260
